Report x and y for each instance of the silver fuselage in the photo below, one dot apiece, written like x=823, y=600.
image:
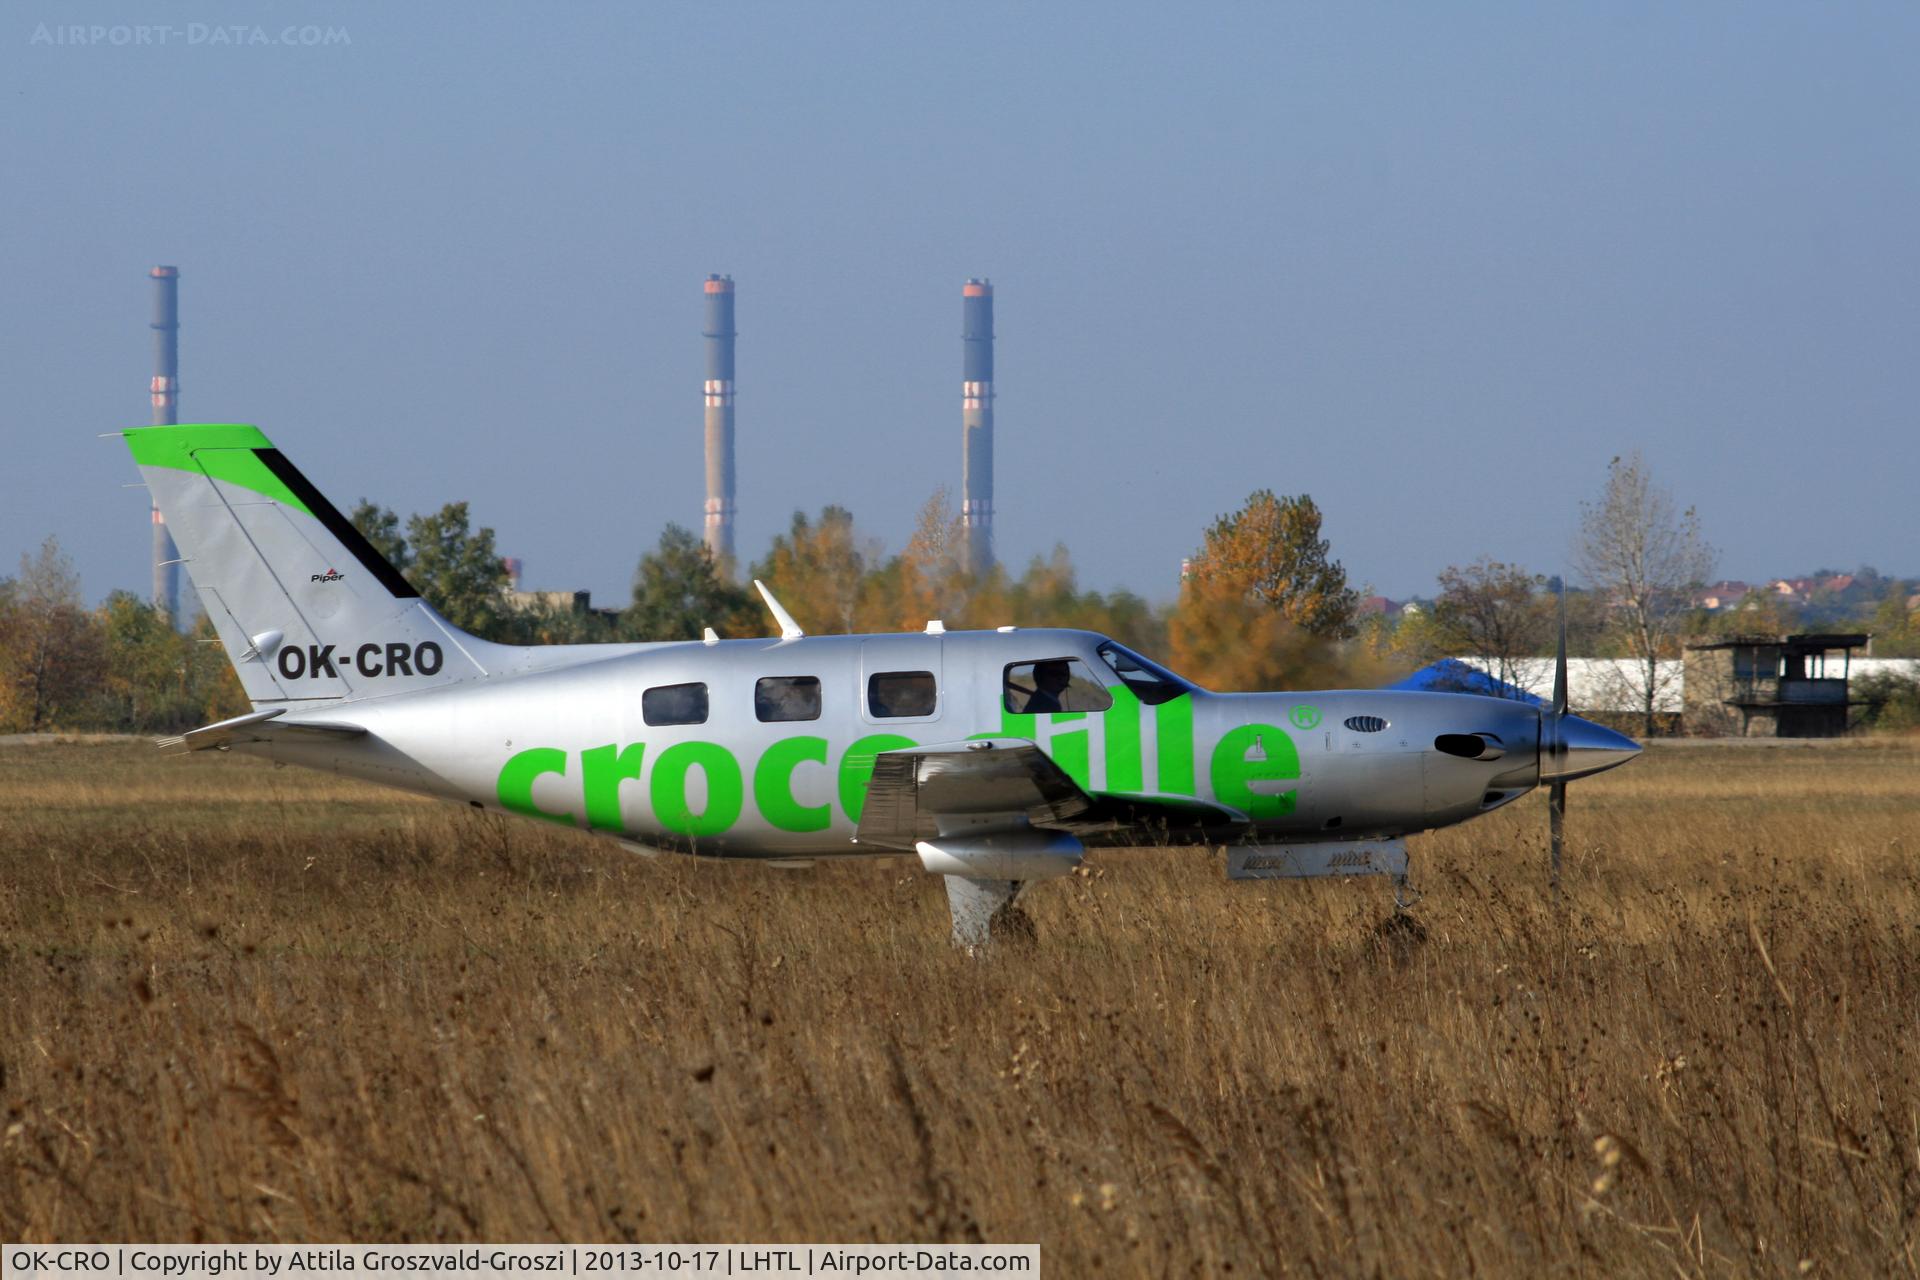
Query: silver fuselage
x=572, y=745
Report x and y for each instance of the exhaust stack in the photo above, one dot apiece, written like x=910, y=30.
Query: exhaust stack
x=719, y=333
x=976, y=423
x=165, y=390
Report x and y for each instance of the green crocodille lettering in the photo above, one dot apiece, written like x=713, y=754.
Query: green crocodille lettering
x=773, y=785
x=1241, y=768
x=515, y=788
x=1254, y=753
x=602, y=770
x=668, y=788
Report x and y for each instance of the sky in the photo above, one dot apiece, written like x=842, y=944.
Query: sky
x=1434, y=265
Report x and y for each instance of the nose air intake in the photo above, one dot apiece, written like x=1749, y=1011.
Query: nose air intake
x=1582, y=748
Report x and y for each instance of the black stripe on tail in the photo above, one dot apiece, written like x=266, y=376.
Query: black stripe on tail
x=338, y=525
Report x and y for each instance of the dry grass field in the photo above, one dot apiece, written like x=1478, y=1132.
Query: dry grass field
x=246, y=1003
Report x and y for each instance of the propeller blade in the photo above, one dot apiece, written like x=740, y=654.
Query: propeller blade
x=1560, y=660
x=1557, y=829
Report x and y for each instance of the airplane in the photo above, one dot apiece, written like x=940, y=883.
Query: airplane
x=996, y=757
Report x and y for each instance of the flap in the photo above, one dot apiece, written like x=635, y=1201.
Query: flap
x=922, y=792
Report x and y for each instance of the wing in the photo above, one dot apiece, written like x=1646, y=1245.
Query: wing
x=987, y=785
x=254, y=727
x=994, y=784
x=1149, y=819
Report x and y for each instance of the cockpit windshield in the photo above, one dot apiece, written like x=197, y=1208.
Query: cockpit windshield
x=1152, y=683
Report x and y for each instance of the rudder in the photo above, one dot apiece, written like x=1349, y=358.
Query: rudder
x=305, y=606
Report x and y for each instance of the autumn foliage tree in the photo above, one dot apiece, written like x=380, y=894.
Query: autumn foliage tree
x=817, y=569
x=1271, y=552
x=50, y=646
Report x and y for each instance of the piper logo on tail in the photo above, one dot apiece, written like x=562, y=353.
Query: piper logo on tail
x=331, y=575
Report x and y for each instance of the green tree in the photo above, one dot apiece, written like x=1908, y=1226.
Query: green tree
x=458, y=570
x=1895, y=625
x=1889, y=700
x=1271, y=551
x=381, y=527
x=145, y=672
x=678, y=590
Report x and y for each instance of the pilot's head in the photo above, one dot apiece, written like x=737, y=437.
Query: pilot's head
x=1051, y=677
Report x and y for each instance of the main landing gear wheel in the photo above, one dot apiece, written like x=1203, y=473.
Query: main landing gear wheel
x=987, y=911
x=1401, y=931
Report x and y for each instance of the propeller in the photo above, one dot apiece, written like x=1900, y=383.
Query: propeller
x=1553, y=745
x=1571, y=747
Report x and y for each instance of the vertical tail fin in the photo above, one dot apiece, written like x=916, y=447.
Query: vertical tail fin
x=305, y=606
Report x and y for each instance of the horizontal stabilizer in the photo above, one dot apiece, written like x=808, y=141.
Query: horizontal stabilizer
x=254, y=727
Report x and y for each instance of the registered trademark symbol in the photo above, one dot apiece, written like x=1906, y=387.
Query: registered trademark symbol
x=1304, y=717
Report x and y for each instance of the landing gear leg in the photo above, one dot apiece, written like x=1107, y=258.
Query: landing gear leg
x=984, y=910
x=1405, y=896
x=1401, y=930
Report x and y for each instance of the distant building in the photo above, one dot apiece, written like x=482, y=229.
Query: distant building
x=1376, y=605
x=1721, y=595
x=1770, y=686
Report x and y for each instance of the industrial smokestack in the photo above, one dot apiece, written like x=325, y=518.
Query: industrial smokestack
x=719, y=390
x=976, y=422
x=166, y=413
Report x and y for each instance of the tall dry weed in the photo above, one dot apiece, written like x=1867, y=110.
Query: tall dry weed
x=246, y=1003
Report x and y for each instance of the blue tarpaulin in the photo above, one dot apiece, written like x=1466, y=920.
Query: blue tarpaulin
x=1450, y=675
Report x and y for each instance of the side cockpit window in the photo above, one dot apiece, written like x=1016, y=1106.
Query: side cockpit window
x=1152, y=683
x=1053, y=685
x=896, y=694
x=777, y=698
x=674, y=704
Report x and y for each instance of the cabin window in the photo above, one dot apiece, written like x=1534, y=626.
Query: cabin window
x=1152, y=683
x=892, y=694
x=777, y=698
x=674, y=704
x=1053, y=685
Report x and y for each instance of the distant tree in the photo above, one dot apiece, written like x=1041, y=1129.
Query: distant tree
x=381, y=528
x=50, y=646
x=1643, y=556
x=1889, y=700
x=458, y=569
x=1271, y=550
x=144, y=686
x=929, y=578
x=1492, y=610
x=817, y=569
x=678, y=589
x=1895, y=626
x=1223, y=639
